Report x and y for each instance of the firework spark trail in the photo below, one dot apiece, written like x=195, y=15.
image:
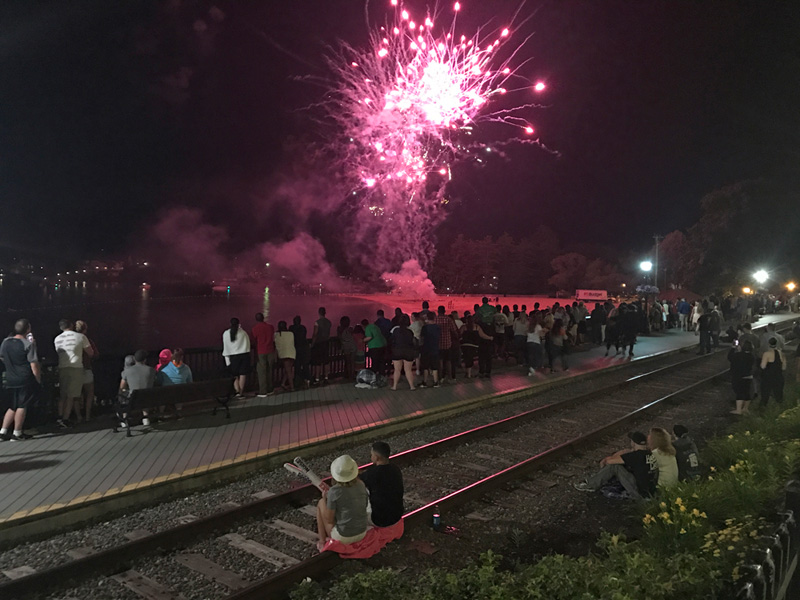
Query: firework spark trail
x=406, y=107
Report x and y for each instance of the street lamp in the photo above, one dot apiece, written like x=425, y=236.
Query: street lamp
x=646, y=266
x=791, y=286
x=761, y=276
x=747, y=290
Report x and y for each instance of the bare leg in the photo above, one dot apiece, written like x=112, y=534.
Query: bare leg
x=409, y=369
x=19, y=419
x=65, y=414
x=435, y=377
x=324, y=527
x=398, y=367
x=8, y=419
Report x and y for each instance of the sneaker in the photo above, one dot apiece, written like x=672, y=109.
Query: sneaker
x=436, y=384
x=146, y=422
x=262, y=395
x=63, y=423
x=422, y=384
x=20, y=438
x=583, y=487
x=531, y=372
x=5, y=437
x=123, y=424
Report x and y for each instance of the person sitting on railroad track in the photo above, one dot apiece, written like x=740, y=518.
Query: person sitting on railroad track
x=660, y=444
x=384, y=482
x=636, y=469
x=687, y=454
x=342, y=510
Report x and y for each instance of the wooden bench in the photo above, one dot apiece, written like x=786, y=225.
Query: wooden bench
x=219, y=389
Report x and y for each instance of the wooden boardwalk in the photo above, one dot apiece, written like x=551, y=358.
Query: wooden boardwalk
x=75, y=467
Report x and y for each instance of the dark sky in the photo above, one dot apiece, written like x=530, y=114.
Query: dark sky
x=650, y=106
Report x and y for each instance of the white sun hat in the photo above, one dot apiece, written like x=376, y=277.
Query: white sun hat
x=344, y=469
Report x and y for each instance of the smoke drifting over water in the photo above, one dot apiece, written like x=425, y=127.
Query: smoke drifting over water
x=411, y=281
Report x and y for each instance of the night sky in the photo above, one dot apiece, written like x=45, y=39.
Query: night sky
x=650, y=105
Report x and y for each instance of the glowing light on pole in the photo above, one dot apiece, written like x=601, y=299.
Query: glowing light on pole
x=761, y=276
x=791, y=286
x=406, y=108
x=646, y=266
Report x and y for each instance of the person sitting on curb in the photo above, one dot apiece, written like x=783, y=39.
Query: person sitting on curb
x=384, y=482
x=636, y=469
x=687, y=454
x=342, y=510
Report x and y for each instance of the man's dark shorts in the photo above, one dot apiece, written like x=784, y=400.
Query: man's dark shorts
x=21, y=397
x=429, y=361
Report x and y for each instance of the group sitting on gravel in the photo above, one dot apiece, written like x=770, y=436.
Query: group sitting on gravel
x=651, y=462
x=357, y=517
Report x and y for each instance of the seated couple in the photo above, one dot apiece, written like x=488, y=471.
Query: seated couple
x=343, y=518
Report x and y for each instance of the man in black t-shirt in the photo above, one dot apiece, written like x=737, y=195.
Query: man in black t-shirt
x=636, y=469
x=23, y=378
x=385, y=484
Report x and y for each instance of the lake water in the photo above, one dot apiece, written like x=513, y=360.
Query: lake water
x=122, y=319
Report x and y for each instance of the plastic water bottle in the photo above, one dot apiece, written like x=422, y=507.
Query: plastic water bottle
x=437, y=517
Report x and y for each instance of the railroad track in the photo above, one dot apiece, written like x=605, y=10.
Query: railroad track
x=194, y=559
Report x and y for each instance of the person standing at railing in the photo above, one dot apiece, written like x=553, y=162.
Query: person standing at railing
x=301, y=363
x=70, y=347
x=284, y=344
x=319, y=347
x=264, y=338
x=23, y=379
x=88, y=375
x=236, y=350
x=349, y=348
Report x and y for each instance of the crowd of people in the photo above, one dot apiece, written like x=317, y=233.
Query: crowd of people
x=424, y=349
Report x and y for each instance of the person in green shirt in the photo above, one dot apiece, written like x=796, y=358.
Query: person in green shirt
x=486, y=311
x=376, y=345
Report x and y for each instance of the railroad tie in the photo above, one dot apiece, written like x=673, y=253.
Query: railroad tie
x=265, y=553
x=145, y=587
x=299, y=533
x=82, y=552
x=211, y=570
x=263, y=494
x=19, y=572
x=137, y=534
x=187, y=519
x=309, y=510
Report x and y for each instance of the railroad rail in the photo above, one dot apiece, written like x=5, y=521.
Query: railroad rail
x=289, y=512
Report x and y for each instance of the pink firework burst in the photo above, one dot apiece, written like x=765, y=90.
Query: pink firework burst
x=406, y=107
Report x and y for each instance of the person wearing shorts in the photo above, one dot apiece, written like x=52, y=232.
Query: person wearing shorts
x=70, y=347
x=23, y=379
x=429, y=350
x=236, y=350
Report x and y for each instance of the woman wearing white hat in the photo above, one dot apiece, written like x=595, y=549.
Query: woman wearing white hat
x=342, y=510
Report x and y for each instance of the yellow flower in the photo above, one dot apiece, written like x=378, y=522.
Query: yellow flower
x=735, y=575
x=746, y=451
x=730, y=437
x=713, y=469
x=716, y=553
x=730, y=548
x=663, y=505
x=683, y=508
x=664, y=515
x=648, y=518
x=702, y=514
x=695, y=512
x=754, y=533
x=683, y=530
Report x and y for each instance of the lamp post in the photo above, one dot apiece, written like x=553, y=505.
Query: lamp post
x=761, y=276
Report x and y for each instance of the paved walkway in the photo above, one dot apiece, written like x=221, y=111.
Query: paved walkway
x=77, y=467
